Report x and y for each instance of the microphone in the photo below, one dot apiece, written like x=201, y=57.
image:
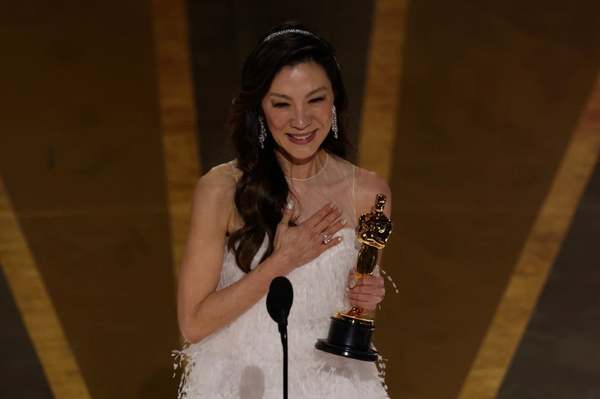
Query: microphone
x=279, y=302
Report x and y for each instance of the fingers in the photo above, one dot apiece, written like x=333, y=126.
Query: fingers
x=353, y=278
x=366, y=281
x=364, y=292
x=288, y=210
x=334, y=228
x=323, y=225
x=367, y=292
x=372, y=281
x=331, y=243
x=364, y=300
x=326, y=222
x=320, y=214
x=368, y=306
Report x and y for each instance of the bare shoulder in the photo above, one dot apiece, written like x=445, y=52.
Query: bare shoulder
x=368, y=185
x=220, y=179
x=215, y=190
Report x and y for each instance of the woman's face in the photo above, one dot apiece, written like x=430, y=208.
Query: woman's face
x=297, y=108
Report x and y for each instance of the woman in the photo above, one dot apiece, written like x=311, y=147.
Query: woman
x=287, y=205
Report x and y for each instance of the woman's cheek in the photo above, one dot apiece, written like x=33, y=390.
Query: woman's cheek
x=324, y=115
x=278, y=121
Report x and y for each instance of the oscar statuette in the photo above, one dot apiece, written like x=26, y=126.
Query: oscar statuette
x=350, y=332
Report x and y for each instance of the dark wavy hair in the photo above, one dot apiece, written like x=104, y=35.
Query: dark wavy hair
x=262, y=190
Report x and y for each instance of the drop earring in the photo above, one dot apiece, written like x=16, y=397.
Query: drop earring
x=334, y=125
x=262, y=135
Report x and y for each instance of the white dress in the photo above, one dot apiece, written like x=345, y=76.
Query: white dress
x=244, y=359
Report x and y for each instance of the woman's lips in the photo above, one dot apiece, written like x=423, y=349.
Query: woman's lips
x=303, y=138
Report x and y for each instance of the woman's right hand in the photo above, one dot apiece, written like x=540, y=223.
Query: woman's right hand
x=297, y=245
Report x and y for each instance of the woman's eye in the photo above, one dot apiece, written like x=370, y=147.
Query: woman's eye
x=280, y=105
x=318, y=99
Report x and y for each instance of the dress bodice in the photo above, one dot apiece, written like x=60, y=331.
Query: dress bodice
x=243, y=359
x=319, y=285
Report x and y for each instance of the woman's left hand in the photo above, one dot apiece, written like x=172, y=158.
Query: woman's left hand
x=367, y=292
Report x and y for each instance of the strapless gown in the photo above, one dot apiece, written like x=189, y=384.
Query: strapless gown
x=244, y=359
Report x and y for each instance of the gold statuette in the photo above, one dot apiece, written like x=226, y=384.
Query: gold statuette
x=350, y=332
x=372, y=232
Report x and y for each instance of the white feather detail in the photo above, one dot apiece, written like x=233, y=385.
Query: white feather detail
x=244, y=358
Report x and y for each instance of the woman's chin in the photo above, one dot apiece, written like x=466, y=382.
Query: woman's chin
x=299, y=153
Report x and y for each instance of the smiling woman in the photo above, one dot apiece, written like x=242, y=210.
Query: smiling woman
x=287, y=205
x=299, y=115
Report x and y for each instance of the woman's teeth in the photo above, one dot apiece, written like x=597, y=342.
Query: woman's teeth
x=303, y=138
x=300, y=136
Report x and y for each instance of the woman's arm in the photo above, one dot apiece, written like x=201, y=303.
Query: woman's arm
x=201, y=308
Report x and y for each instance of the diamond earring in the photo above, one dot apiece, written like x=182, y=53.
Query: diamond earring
x=334, y=125
x=262, y=135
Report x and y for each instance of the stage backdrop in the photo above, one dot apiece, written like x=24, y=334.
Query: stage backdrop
x=484, y=118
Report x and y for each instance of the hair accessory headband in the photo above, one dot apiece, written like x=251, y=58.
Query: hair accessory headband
x=285, y=31
x=299, y=31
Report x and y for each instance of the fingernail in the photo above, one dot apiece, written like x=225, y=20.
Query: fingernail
x=290, y=204
x=343, y=221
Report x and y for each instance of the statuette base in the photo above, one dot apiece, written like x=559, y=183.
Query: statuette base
x=349, y=336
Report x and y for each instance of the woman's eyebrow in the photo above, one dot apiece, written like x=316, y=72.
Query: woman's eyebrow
x=308, y=95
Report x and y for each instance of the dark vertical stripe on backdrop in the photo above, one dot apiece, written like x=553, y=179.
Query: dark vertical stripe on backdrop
x=20, y=369
x=559, y=355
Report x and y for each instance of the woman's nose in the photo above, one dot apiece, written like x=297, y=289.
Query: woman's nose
x=301, y=118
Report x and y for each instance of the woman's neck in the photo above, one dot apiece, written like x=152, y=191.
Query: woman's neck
x=301, y=169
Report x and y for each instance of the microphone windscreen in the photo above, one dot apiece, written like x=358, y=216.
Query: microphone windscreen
x=279, y=299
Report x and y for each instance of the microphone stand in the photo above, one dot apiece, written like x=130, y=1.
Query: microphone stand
x=283, y=333
x=279, y=302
